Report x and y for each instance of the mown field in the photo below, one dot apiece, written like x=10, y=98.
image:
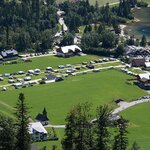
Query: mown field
x=43, y=62
x=97, y=88
x=139, y=128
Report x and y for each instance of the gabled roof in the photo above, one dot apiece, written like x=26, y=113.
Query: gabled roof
x=41, y=117
x=37, y=126
x=144, y=76
x=65, y=49
x=51, y=77
x=147, y=64
x=6, y=53
x=138, y=61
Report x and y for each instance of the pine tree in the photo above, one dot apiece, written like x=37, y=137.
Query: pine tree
x=143, y=41
x=44, y=111
x=102, y=134
x=121, y=139
x=135, y=146
x=7, y=133
x=78, y=131
x=23, y=137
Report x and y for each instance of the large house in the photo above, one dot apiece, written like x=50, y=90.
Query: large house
x=9, y=54
x=138, y=62
x=67, y=51
x=42, y=118
x=134, y=51
x=144, y=80
x=37, y=132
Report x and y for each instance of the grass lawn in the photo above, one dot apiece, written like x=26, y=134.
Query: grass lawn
x=139, y=129
x=43, y=62
x=137, y=71
x=97, y=88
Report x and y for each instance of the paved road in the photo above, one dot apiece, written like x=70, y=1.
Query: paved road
x=125, y=105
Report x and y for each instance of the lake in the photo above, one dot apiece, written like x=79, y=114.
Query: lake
x=142, y=27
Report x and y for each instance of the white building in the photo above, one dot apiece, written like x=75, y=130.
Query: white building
x=38, y=132
x=67, y=51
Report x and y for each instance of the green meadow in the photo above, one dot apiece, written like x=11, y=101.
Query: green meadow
x=139, y=127
x=58, y=98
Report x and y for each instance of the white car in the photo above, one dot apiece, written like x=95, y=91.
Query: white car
x=1, y=78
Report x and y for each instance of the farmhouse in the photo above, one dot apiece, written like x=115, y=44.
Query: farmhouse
x=67, y=51
x=37, y=132
x=144, y=80
x=9, y=54
x=138, y=62
x=42, y=118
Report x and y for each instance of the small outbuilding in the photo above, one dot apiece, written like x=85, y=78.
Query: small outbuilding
x=43, y=117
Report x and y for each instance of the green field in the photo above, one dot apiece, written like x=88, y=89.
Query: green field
x=139, y=129
x=98, y=88
x=43, y=62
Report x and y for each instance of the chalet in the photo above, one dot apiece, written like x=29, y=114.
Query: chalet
x=37, y=132
x=144, y=80
x=42, y=118
x=9, y=54
x=134, y=51
x=67, y=51
x=138, y=62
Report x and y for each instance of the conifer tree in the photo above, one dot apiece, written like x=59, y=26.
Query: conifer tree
x=102, y=133
x=121, y=139
x=135, y=146
x=7, y=133
x=143, y=41
x=23, y=136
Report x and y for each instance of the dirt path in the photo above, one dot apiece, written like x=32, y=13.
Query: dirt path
x=6, y=105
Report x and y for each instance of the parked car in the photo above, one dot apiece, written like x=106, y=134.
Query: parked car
x=90, y=66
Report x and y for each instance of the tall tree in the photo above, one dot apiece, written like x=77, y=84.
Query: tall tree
x=23, y=141
x=143, y=41
x=102, y=124
x=78, y=131
x=7, y=133
x=121, y=139
x=135, y=146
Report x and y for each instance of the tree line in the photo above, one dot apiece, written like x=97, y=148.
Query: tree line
x=103, y=133
x=27, y=24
